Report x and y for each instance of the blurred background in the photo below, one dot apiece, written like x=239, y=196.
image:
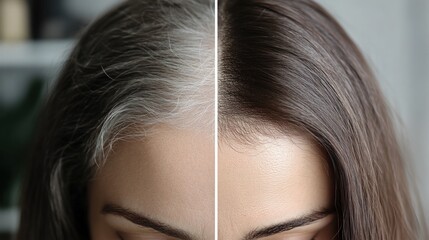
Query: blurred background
x=36, y=36
x=394, y=37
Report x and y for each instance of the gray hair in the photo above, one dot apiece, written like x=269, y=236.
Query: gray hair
x=173, y=66
x=142, y=64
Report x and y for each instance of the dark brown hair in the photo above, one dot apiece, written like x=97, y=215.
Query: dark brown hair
x=290, y=65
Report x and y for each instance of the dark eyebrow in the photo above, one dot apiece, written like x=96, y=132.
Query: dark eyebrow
x=288, y=225
x=146, y=221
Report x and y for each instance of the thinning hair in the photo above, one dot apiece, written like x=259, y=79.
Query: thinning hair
x=143, y=63
x=289, y=66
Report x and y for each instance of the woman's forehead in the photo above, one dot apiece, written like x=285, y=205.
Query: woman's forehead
x=268, y=182
x=168, y=176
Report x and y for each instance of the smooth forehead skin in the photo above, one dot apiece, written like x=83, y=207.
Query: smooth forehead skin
x=269, y=182
x=169, y=177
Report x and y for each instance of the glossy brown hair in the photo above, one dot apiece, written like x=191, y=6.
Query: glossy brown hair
x=291, y=66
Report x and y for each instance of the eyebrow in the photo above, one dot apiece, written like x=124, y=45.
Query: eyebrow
x=144, y=221
x=288, y=225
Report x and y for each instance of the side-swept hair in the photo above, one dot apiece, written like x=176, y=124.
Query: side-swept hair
x=143, y=63
x=290, y=65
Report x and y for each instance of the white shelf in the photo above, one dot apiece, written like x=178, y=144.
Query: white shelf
x=34, y=55
x=9, y=219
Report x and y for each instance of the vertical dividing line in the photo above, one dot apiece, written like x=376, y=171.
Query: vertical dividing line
x=216, y=207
